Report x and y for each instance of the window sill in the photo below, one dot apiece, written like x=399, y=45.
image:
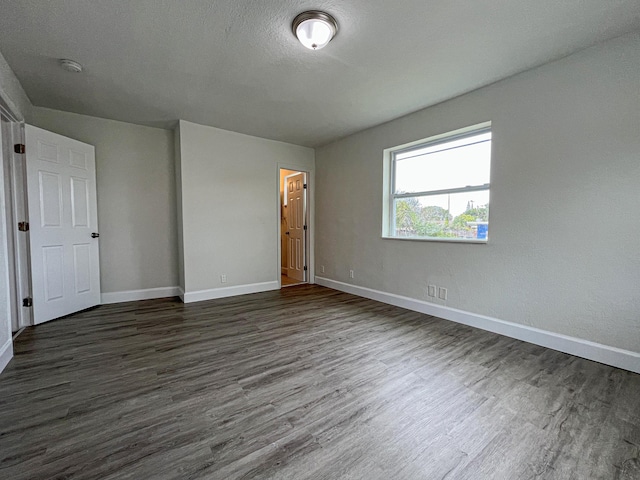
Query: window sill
x=439, y=240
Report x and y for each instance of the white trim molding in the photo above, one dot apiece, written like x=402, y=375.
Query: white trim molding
x=6, y=354
x=134, y=295
x=200, y=295
x=597, y=352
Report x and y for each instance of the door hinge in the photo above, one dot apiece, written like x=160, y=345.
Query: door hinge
x=304, y=186
x=27, y=302
x=305, y=268
x=305, y=227
x=23, y=226
x=19, y=148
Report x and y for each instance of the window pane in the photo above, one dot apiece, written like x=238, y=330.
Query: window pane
x=454, y=164
x=457, y=215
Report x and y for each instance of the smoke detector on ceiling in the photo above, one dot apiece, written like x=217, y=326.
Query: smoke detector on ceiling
x=70, y=65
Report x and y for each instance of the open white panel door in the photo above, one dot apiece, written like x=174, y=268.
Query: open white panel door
x=63, y=224
x=296, y=221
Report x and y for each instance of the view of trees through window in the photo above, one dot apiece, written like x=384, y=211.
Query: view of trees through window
x=441, y=188
x=415, y=220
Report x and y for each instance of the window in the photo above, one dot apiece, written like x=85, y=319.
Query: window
x=438, y=188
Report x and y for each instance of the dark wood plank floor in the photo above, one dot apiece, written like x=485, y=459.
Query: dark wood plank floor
x=305, y=383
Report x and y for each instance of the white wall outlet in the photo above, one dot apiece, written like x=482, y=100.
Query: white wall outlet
x=322, y=268
x=223, y=278
x=442, y=293
x=350, y=273
x=431, y=290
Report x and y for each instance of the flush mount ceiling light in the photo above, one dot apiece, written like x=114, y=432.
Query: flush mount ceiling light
x=314, y=29
x=70, y=65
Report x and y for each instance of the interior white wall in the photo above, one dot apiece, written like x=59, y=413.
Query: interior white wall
x=136, y=198
x=563, y=249
x=12, y=93
x=229, y=185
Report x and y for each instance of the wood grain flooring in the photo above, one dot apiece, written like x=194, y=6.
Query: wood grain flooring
x=305, y=383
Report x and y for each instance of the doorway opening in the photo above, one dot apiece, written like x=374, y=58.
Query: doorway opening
x=50, y=219
x=294, y=221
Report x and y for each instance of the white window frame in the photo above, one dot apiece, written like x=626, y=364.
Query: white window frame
x=389, y=195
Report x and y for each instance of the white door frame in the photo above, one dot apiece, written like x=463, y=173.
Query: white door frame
x=18, y=258
x=310, y=219
x=16, y=211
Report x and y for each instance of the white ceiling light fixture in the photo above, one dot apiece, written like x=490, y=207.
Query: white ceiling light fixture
x=315, y=29
x=70, y=65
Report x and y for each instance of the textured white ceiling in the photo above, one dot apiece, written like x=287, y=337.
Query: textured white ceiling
x=235, y=64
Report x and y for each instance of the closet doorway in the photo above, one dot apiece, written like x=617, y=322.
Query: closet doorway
x=294, y=227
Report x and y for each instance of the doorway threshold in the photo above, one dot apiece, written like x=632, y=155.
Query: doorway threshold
x=289, y=282
x=15, y=334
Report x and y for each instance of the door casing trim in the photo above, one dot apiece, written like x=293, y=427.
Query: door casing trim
x=18, y=259
x=310, y=219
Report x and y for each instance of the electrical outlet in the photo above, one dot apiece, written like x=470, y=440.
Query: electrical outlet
x=350, y=273
x=442, y=293
x=322, y=268
x=223, y=278
x=431, y=290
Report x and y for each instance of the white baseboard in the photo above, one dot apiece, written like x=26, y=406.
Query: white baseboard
x=133, y=295
x=6, y=354
x=597, y=352
x=198, y=296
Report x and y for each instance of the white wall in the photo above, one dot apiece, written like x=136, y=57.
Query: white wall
x=12, y=93
x=136, y=200
x=563, y=254
x=230, y=194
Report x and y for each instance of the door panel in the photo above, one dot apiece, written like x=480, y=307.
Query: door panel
x=78, y=159
x=50, y=199
x=53, y=269
x=79, y=202
x=61, y=193
x=82, y=267
x=47, y=151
